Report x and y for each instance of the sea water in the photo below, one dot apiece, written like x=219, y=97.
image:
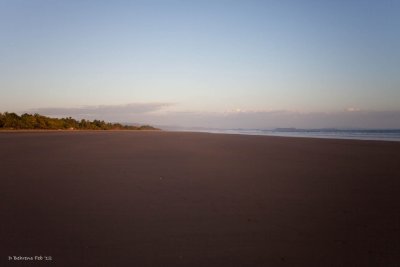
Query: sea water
x=359, y=134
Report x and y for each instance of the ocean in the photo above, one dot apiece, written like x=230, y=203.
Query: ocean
x=358, y=134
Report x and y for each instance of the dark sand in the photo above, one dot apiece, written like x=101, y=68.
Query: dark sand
x=195, y=199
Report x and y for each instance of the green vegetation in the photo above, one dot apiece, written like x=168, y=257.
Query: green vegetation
x=27, y=121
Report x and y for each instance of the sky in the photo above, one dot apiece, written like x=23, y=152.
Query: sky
x=246, y=64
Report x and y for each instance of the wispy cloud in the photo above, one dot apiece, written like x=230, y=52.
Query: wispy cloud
x=277, y=119
x=162, y=114
x=103, y=110
x=352, y=109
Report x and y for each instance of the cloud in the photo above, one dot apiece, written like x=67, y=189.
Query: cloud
x=280, y=119
x=103, y=110
x=161, y=115
x=352, y=109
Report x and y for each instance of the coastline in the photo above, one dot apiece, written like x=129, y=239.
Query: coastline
x=71, y=131
x=339, y=134
x=225, y=132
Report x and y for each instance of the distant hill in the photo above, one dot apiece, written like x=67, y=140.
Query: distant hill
x=10, y=121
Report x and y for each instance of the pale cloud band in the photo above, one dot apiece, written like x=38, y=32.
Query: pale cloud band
x=278, y=119
x=103, y=110
x=161, y=114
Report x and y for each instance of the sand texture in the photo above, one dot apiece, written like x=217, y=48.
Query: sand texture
x=196, y=199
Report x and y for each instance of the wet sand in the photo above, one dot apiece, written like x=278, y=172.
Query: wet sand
x=197, y=199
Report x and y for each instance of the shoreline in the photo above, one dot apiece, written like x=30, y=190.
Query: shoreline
x=75, y=130
x=205, y=132
x=289, y=135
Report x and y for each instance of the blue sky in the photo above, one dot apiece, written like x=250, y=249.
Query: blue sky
x=202, y=58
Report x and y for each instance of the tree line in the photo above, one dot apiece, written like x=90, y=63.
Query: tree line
x=37, y=121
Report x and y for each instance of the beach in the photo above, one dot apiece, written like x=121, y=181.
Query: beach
x=133, y=198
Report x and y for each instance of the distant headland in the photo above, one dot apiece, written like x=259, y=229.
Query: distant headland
x=12, y=121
